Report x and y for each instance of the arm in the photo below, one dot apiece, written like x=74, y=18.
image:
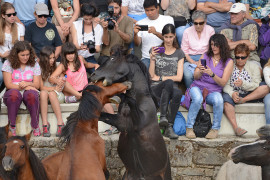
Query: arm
x=199, y=70
x=128, y=32
x=88, y=64
x=191, y=4
x=248, y=16
x=137, y=39
x=54, y=4
x=124, y=10
x=8, y=81
x=206, y=10
x=255, y=80
x=49, y=89
x=105, y=36
x=221, y=6
x=152, y=30
x=228, y=88
x=54, y=77
x=266, y=73
x=57, y=51
x=21, y=38
x=185, y=47
x=76, y=12
x=74, y=37
x=165, y=4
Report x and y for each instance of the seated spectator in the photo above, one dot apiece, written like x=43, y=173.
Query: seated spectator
x=50, y=92
x=180, y=11
x=256, y=9
x=153, y=36
x=10, y=32
x=216, y=10
x=243, y=85
x=195, y=43
x=213, y=78
x=264, y=40
x=165, y=78
x=241, y=30
x=266, y=100
x=122, y=32
x=133, y=9
x=25, y=10
x=73, y=66
x=64, y=14
x=22, y=76
x=43, y=33
x=87, y=33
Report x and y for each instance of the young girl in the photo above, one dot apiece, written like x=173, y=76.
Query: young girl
x=73, y=66
x=53, y=92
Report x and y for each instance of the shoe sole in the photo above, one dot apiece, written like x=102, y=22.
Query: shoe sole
x=163, y=124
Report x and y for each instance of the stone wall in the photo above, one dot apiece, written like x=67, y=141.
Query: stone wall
x=197, y=159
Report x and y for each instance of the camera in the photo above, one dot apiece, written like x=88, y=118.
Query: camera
x=265, y=20
x=111, y=24
x=91, y=46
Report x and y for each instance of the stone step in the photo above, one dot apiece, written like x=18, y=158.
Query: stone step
x=250, y=116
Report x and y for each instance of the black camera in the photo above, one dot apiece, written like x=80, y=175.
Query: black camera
x=111, y=24
x=91, y=46
x=265, y=20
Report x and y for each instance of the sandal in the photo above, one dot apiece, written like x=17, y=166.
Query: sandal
x=110, y=131
x=239, y=131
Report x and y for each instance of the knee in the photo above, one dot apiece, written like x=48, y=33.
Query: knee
x=196, y=95
x=43, y=94
x=218, y=100
x=14, y=95
x=31, y=97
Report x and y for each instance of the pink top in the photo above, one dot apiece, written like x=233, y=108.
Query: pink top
x=192, y=45
x=77, y=79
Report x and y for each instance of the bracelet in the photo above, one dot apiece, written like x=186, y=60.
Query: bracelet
x=213, y=75
x=160, y=78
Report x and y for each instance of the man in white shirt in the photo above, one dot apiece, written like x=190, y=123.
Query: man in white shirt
x=151, y=37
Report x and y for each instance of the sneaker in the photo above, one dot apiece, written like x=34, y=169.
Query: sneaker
x=212, y=134
x=36, y=132
x=70, y=99
x=13, y=131
x=190, y=133
x=46, y=130
x=59, y=130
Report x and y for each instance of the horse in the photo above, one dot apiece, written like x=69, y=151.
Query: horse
x=257, y=153
x=21, y=161
x=141, y=146
x=84, y=154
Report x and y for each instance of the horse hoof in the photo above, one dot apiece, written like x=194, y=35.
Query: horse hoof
x=128, y=84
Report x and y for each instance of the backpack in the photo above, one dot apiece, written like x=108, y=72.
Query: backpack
x=202, y=123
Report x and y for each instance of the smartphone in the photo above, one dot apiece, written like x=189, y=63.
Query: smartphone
x=143, y=27
x=160, y=49
x=203, y=62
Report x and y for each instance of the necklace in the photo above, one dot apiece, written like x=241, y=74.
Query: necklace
x=216, y=60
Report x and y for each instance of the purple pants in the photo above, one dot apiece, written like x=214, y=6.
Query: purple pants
x=13, y=100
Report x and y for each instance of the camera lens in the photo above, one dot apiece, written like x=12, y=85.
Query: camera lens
x=110, y=25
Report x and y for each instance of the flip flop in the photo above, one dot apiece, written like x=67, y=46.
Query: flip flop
x=239, y=131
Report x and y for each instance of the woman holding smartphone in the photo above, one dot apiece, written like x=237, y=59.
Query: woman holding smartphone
x=212, y=78
x=166, y=70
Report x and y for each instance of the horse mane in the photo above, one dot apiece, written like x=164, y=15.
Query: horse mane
x=36, y=165
x=88, y=107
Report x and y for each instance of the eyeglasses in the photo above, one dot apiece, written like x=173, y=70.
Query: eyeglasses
x=198, y=23
x=43, y=15
x=241, y=57
x=11, y=14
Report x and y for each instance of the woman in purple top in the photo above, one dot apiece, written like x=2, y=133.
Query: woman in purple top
x=213, y=77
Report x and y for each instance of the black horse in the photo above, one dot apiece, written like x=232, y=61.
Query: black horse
x=257, y=153
x=141, y=146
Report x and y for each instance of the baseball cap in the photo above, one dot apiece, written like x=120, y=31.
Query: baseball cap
x=41, y=9
x=238, y=7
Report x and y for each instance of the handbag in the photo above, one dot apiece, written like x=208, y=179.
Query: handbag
x=202, y=123
x=179, y=126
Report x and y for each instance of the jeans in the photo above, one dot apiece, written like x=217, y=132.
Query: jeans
x=27, y=22
x=180, y=31
x=214, y=99
x=188, y=74
x=1, y=74
x=146, y=62
x=91, y=59
x=266, y=101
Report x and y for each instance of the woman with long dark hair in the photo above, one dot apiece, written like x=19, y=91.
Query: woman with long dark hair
x=166, y=70
x=212, y=76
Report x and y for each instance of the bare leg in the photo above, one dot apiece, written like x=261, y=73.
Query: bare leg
x=70, y=91
x=44, y=106
x=229, y=111
x=258, y=93
x=108, y=108
x=56, y=107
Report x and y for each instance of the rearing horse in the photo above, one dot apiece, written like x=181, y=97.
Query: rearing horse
x=84, y=154
x=141, y=146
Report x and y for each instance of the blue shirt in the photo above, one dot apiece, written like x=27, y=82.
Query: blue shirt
x=216, y=19
x=25, y=8
x=258, y=8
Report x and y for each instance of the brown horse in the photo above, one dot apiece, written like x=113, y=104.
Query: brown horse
x=21, y=161
x=141, y=146
x=84, y=154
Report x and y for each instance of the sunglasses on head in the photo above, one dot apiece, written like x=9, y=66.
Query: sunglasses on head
x=198, y=23
x=43, y=15
x=241, y=57
x=11, y=14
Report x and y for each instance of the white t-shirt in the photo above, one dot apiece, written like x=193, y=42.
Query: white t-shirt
x=8, y=39
x=148, y=39
x=134, y=6
x=88, y=36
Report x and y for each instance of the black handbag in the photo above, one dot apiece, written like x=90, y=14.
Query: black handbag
x=202, y=123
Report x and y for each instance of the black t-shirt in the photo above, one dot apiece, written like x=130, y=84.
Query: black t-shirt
x=40, y=37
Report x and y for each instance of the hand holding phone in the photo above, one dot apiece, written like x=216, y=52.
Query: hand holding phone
x=160, y=49
x=203, y=62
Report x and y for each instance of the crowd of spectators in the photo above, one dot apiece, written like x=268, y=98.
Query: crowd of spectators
x=217, y=49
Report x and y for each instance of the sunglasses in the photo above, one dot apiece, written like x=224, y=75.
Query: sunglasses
x=11, y=14
x=241, y=57
x=198, y=23
x=43, y=15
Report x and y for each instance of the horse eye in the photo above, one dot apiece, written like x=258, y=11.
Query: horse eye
x=22, y=146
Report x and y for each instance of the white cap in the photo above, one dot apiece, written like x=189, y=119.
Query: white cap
x=41, y=9
x=238, y=7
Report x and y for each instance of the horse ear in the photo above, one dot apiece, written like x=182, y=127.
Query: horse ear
x=28, y=136
x=7, y=130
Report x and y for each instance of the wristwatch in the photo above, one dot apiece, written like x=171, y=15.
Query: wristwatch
x=160, y=78
x=213, y=75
